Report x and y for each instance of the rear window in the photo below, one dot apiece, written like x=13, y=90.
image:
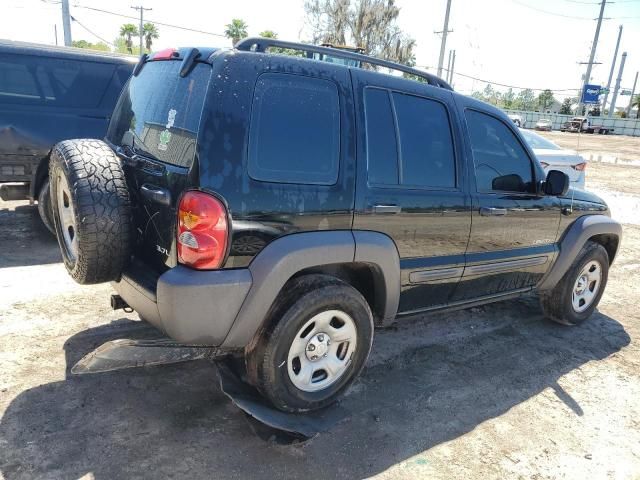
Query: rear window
x=158, y=113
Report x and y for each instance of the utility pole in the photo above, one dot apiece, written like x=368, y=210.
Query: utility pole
x=613, y=66
x=55, y=33
x=633, y=92
x=453, y=67
x=66, y=23
x=594, y=45
x=449, y=65
x=444, y=32
x=618, y=80
x=141, y=9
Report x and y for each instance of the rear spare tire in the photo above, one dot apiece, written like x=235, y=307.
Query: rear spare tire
x=91, y=210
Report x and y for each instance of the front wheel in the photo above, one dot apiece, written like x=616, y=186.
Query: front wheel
x=578, y=293
x=44, y=207
x=317, y=340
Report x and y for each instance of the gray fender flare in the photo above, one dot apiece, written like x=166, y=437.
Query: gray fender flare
x=288, y=255
x=574, y=239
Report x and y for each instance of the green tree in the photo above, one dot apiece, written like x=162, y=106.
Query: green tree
x=236, y=30
x=545, y=99
x=150, y=33
x=100, y=46
x=525, y=100
x=565, y=109
x=268, y=34
x=369, y=24
x=128, y=31
x=508, y=99
x=635, y=103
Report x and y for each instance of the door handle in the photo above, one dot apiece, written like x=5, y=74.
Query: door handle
x=156, y=194
x=386, y=209
x=493, y=212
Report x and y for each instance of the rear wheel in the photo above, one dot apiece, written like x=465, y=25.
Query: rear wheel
x=578, y=293
x=44, y=207
x=91, y=210
x=316, y=343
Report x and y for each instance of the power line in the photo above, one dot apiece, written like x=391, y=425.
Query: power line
x=91, y=31
x=551, y=13
x=559, y=90
x=180, y=27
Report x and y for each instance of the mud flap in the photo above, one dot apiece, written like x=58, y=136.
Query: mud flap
x=126, y=353
x=297, y=426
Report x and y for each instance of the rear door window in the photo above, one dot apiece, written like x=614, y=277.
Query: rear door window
x=409, y=141
x=159, y=112
x=294, y=135
x=58, y=82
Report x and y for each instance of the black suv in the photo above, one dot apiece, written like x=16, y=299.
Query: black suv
x=281, y=207
x=49, y=94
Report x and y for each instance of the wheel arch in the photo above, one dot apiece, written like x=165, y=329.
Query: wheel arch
x=366, y=260
x=598, y=228
x=42, y=172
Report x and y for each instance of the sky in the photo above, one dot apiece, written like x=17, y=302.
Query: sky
x=525, y=43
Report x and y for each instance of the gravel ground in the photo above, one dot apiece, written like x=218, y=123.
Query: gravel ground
x=491, y=392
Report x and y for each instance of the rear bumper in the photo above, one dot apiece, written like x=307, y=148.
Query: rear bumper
x=192, y=307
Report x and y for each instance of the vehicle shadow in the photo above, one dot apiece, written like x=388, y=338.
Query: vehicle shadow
x=25, y=239
x=173, y=421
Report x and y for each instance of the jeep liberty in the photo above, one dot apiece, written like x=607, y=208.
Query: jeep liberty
x=281, y=207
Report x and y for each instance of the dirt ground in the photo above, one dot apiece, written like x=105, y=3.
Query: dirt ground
x=491, y=392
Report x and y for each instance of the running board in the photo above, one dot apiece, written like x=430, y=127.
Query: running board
x=125, y=353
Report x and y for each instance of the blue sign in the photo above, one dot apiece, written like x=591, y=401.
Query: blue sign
x=591, y=94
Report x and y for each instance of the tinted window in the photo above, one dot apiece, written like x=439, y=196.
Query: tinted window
x=159, y=112
x=501, y=163
x=426, y=146
x=382, y=153
x=17, y=82
x=536, y=141
x=56, y=81
x=294, y=136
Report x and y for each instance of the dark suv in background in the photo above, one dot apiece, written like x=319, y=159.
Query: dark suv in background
x=49, y=94
x=373, y=197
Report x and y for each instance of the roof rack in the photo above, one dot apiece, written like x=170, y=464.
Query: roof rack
x=260, y=44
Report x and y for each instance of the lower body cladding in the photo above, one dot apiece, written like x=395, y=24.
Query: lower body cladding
x=194, y=308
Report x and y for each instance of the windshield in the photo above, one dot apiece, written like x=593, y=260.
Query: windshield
x=536, y=141
x=158, y=113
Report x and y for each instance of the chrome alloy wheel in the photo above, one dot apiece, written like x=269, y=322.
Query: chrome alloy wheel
x=587, y=286
x=67, y=217
x=322, y=350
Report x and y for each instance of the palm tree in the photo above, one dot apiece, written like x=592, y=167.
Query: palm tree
x=635, y=103
x=236, y=30
x=150, y=31
x=127, y=31
x=268, y=34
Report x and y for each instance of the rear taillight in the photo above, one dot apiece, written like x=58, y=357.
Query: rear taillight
x=580, y=166
x=544, y=164
x=202, y=231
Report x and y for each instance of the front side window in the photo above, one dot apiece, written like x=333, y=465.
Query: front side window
x=501, y=163
x=294, y=135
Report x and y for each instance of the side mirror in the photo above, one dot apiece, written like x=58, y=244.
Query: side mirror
x=557, y=183
x=508, y=183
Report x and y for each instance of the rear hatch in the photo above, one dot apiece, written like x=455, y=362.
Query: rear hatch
x=154, y=130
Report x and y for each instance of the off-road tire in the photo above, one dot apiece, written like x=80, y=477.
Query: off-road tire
x=44, y=206
x=300, y=300
x=557, y=304
x=102, y=209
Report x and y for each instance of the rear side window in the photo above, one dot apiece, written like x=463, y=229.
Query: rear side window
x=294, y=135
x=501, y=163
x=56, y=81
x=409, y=141
x=158, y=113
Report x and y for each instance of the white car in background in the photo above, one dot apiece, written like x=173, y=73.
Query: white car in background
x=517, y=119
x=554, y=157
